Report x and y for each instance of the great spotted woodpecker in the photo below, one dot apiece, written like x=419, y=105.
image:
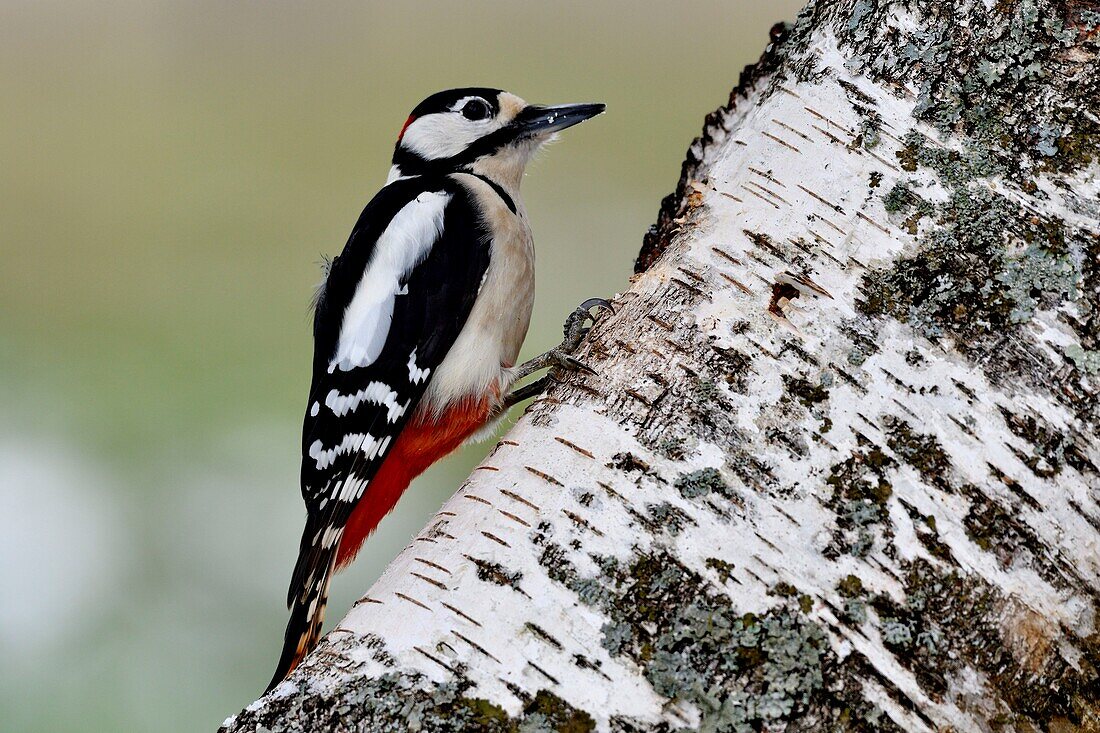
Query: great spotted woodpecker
x=417, y=326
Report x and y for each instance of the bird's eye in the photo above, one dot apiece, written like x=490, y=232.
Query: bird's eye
x=476, y=109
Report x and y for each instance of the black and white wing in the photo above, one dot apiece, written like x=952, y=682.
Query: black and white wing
x=392, y=305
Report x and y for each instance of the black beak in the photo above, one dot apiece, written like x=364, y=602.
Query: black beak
x=538, y=120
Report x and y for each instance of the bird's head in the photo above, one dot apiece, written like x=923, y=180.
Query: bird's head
x=484, y=131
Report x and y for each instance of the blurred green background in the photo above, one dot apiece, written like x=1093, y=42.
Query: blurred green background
x=170, y=174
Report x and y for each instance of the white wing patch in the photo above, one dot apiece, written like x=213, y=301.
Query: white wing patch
x=352, y=489
x=376, y=393
x=416, y=374
x=367, y=444
x=404, y=245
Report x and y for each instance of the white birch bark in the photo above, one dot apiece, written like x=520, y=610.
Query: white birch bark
x=838, y=469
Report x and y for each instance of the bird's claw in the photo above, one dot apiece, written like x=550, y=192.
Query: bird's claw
x=574, y=328
x=594, y=302
x=568, y=362
x=561, y=357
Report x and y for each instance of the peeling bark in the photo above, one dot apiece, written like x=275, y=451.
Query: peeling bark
x=839, y=467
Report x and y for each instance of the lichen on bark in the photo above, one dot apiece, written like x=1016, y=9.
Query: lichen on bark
x=1014, y=92
x=838, y=467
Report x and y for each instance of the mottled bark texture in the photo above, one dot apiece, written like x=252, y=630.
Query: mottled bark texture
x=839, y=468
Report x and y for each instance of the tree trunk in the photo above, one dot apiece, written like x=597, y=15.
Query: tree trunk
x=838, y=469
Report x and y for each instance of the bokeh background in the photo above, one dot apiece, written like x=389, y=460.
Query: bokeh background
x=170, y=175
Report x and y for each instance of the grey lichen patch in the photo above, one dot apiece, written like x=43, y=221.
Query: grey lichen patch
x=904, y=201
x=1087, y=360
x=950, y=620
x=703, y=482
x=672, y=448
x=867, y=135
x=854, y=610
x=1019, y=81
x=743, y=672
x=616, y=636
x=399, y=702
x=979, y=274
x=953, y=167
x=896, y=634
x=667, y=517
x=860, y=492
x=899, y=198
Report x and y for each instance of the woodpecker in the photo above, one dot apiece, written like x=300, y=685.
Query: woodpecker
x=417, y=326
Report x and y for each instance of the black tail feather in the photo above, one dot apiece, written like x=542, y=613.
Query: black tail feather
x=307, y=600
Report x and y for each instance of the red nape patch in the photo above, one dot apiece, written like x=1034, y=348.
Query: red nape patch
x=423, y=442
x=405, y=127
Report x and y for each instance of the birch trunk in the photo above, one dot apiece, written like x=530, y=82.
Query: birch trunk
x=838, y=469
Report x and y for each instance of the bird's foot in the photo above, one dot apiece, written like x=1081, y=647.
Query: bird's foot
x=561, y=356
x=575, y=329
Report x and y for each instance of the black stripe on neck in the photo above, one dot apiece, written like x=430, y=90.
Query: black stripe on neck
x=414, y=164
x=410, y=163
x=498, y=188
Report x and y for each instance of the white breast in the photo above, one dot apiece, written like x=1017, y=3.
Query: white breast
x=489, y=343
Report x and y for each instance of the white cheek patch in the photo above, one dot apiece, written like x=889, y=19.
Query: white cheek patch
x=403, y=246
x=444, y=134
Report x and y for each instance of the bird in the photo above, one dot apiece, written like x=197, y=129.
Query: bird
x=417, y=325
